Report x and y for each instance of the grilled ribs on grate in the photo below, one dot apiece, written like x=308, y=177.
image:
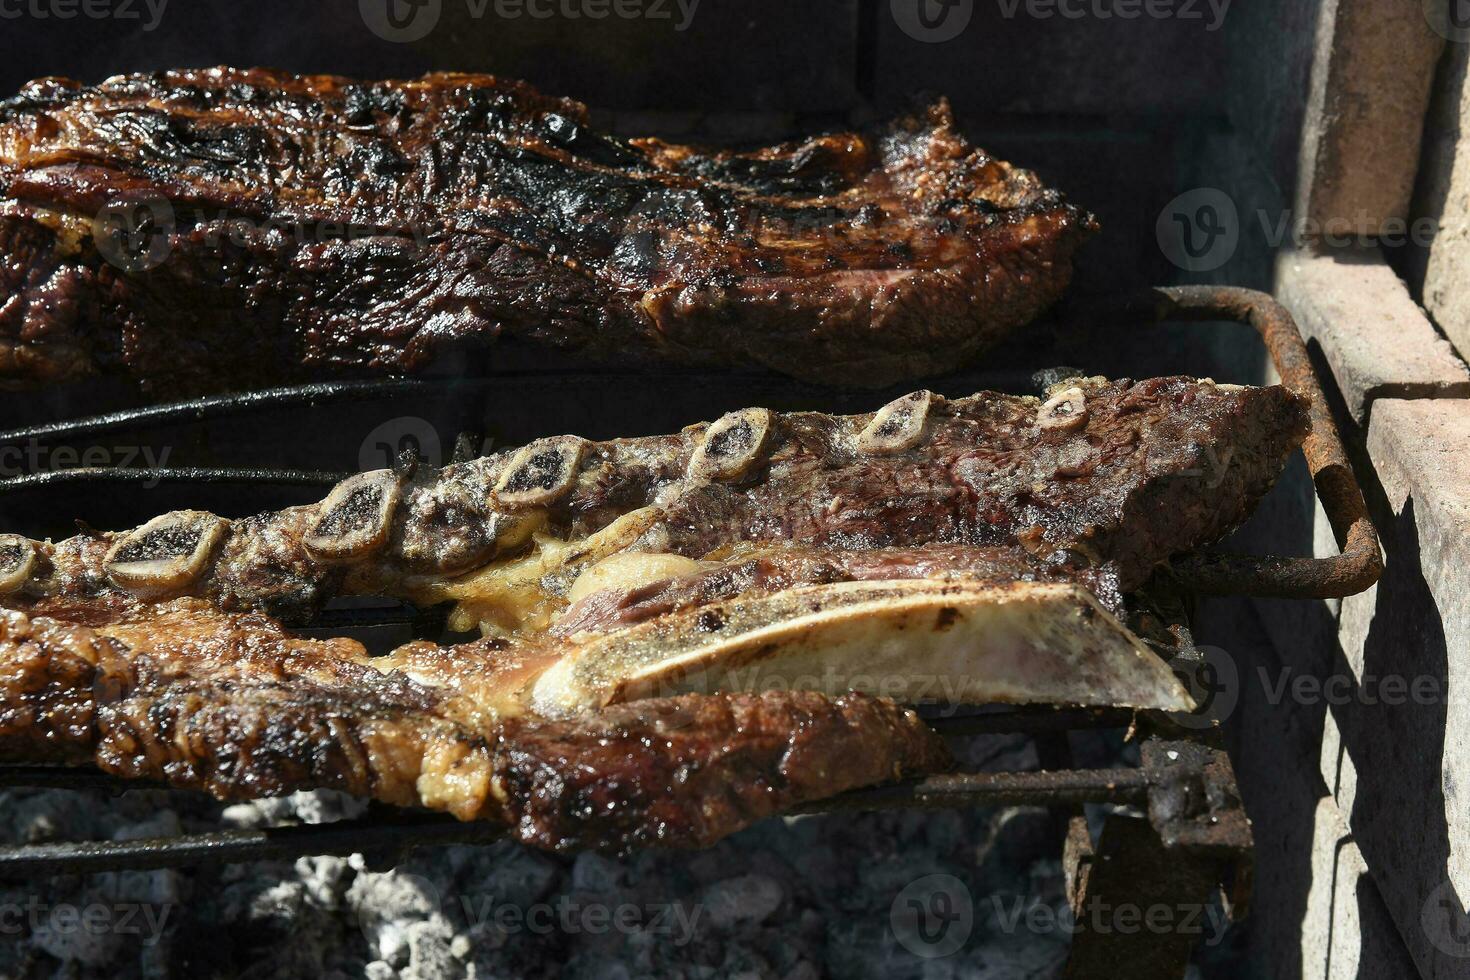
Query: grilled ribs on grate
x=221, y=228
x=1106, y=479
x=231, y=705
x=981, y=538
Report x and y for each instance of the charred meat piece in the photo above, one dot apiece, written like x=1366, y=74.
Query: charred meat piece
x=675, y=625
x=232, y=705
x=224, y=228
x=1098, y=484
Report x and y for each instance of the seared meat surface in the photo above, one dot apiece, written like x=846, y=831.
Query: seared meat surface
x=218, y=228
x=232, y=705
x=972, y=550
x=1111, y=477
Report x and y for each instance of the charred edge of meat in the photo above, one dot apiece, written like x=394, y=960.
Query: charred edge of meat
x=331, y=226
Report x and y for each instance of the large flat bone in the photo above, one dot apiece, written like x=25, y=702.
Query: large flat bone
x=914, y=641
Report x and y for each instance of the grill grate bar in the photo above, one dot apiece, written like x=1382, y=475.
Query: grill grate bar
x=388, y=835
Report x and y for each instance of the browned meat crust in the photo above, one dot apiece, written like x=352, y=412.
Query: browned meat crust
x=231, y=705
x=1143, y=471
x=151, y=653
x=308, y=224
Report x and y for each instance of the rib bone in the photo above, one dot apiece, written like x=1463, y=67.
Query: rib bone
x=542, y=472
x=167, y=554
x=1065, y=410
x=959, y=643
x=731, y=445
x=17, y=562
x=356, y=518
x=897, y=426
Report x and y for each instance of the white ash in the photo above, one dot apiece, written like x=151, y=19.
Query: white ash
x=792, y=898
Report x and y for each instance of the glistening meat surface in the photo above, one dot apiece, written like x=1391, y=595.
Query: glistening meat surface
x=205, y=229
x=233, y=706
x=1100, y=483
x=627, y=590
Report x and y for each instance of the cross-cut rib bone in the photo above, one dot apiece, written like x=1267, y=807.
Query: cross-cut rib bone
x=168, y=554
x=1150, y=470
x=17, y=562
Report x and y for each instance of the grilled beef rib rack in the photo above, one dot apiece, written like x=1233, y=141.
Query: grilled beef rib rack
x=1199, y=835
x=224, y=229
x=934, y=539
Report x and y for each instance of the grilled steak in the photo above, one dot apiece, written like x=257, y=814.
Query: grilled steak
x=217, y=228
x=1110, y=477
x=231, y=705
x=967, y=550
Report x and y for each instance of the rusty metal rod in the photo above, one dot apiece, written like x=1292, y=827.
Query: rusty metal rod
x=1360, y=562
x=389, y=836
x=1061, y=788
x=390, y=839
